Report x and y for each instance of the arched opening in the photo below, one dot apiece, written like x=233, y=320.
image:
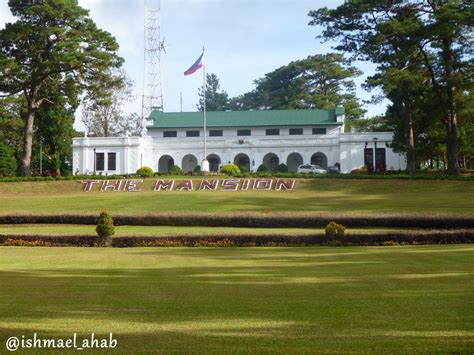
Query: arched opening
x=214, y=162
x=188, y=163
x=271, y=161
x=293, y=161
x=165, y=164
x=319, y=159
x=242, y=161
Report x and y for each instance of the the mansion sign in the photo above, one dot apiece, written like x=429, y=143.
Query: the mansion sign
x=230, y=184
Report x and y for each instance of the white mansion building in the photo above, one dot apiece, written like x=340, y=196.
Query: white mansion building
x=245, y=138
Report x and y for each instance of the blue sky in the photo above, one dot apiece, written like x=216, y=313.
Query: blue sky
x=244, y=40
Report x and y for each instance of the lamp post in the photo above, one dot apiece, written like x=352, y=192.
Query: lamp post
x=41, y=157
x=375, y=154
x=94, y=161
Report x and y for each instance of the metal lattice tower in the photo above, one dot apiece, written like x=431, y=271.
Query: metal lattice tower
x=152, y=98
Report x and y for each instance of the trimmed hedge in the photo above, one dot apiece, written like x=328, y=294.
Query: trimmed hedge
x=365, y=239
x=47, y=240
x=362, y=239
x=386, y=176
x=254, y=220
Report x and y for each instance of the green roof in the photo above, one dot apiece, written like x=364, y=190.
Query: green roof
x=246, y=118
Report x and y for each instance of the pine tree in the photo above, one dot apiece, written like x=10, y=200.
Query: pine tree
x=7, y=161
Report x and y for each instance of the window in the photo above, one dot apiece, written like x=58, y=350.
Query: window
x=243, y=132
x=112, y=161
x=192, y=133
x=272, y=132
x=319, y=130
x=296, y=131
x=99, y=161
x=215, y=133
x=170, y=134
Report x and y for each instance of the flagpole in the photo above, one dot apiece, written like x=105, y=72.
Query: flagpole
x=204, y=106
x=205, y=163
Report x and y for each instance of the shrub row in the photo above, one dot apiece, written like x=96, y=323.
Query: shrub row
x=47, y=240
x=254, y=220
x=363, y=239
x=389, y=176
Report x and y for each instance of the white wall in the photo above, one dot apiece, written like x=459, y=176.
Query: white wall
x=352, y=150
x=133, y=153
x=128, y=151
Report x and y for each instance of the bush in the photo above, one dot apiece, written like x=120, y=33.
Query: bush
x=282, y=168
x=176, y=170
x=244, y=169
x=7, y=161
x=262, y=169
x=145, y=171
x=334, y=230
x=105, y=226
x=197, y=170
x=230, y=169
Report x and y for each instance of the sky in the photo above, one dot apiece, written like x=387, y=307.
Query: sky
x=243, y=39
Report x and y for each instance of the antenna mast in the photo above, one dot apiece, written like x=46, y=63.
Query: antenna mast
x=152, y=97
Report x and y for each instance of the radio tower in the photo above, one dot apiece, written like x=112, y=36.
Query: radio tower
x=152, y=98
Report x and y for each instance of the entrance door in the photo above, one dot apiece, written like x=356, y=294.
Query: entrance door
x=369, y=159
x=380, y=164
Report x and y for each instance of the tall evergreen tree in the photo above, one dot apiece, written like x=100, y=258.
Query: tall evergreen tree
x=319, y=81
x=435, y=33
x=216, y=100
x=50, y=39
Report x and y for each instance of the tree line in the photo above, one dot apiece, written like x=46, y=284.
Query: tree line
x=424, y=55
x=54, y=58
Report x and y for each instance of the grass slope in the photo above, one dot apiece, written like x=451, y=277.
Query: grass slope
x=309, y=195
x=76, y=229
x=244, y=300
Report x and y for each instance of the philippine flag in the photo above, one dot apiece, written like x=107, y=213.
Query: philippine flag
x=196, y=66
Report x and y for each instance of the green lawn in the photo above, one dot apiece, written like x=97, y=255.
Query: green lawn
x=381, y=300
x=75, y=229
x=365, y=196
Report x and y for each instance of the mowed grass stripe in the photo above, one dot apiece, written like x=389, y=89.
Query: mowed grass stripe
x=76, y=229
x=245, y=300
x=406, y=196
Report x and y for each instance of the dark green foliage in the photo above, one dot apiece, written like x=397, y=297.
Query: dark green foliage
x=423, y=50
x=176, y=170
x=54, y=128
x=197, y=170
x=230, y=169
x=321, y=81
x=216, y=100
x=390, y=175
x=244, y=170
x=50, y=43
x=262, y=169
x=145, y=171
x=282, y=168
x=7, y=161
x=12, y=123
x=105, y=225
